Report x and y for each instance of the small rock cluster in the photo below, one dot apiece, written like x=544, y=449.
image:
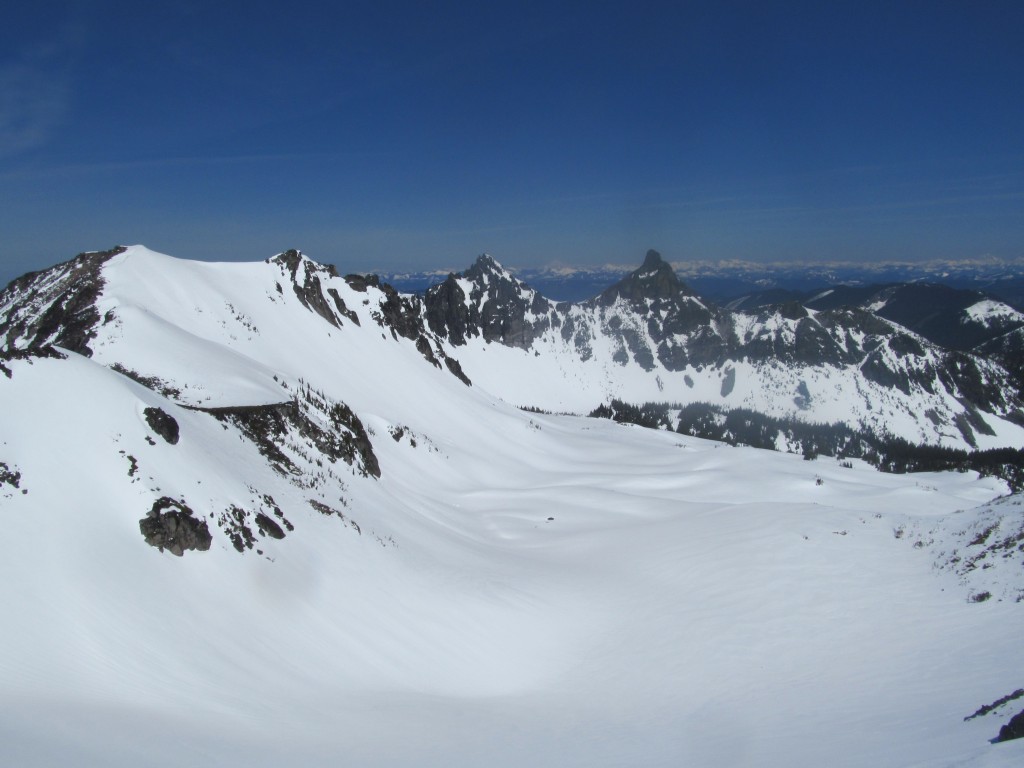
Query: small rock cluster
x=171, y=525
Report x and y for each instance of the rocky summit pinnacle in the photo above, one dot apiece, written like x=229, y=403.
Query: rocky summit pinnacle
x=655, y=279
x=496, y=307
x=485, y=264
x=653, y=260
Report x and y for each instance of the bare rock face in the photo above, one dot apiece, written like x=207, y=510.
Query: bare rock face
x=162, y=423
x=337, y=434
x=447, y=312
x=498, y=307
x=1013, y=729
x=55, y=307
x=171, y=525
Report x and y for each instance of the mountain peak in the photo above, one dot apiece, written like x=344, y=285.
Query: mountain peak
x=653, y=260
x=655, y=279
x=292, y=258
x=487, y=267
x=487, y=263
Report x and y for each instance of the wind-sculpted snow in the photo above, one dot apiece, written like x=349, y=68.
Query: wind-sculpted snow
x=380, y=565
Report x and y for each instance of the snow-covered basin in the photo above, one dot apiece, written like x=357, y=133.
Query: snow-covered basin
x=523, y=589
x=689, y=603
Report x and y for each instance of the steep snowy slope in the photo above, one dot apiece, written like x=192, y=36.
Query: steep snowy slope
x=391, y=567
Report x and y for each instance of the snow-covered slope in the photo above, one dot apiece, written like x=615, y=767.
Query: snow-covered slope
x=384, y=566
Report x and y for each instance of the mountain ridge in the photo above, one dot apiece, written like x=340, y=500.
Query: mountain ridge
x=645, y=338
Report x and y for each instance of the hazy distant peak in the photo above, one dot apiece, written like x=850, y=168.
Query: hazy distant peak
x=653, y=260
x=655, y=279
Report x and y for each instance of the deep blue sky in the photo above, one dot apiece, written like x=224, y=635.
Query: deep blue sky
x=403, y=135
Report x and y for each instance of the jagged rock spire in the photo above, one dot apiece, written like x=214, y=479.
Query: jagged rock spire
x=497, y=306
x=485, y=260
x=653, y=260
x=655, y=279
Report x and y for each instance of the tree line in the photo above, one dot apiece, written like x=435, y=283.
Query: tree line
x=886, y=452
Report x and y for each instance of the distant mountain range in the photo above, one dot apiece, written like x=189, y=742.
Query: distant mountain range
x=650, y=338
x=726, y=281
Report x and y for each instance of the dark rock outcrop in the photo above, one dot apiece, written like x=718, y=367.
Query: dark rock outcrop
x=456, y=370
x=8, y=476
x=268, y=526
x=447, y=312
x=406, y=317
x=341, y=436
x=8, y=355
x=171, y=525
x=308, y=288
x=1013, y=729
x=162, y=423
x=234, y=522
x=339, y=303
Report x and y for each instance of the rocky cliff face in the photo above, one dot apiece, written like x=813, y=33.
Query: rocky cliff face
x=487, y=301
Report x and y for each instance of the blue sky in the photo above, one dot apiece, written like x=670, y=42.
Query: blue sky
x=399, y=135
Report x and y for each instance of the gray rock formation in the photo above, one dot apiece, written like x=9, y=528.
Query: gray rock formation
x=171, y=525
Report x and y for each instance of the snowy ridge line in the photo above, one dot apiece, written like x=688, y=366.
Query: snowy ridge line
x=646, y=338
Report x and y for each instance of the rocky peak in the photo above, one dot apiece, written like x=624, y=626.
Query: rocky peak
x=308, y=288
x=292, y=258
x=654, y=280
x=486, y=264
x=652, y=260
x=499, y=307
